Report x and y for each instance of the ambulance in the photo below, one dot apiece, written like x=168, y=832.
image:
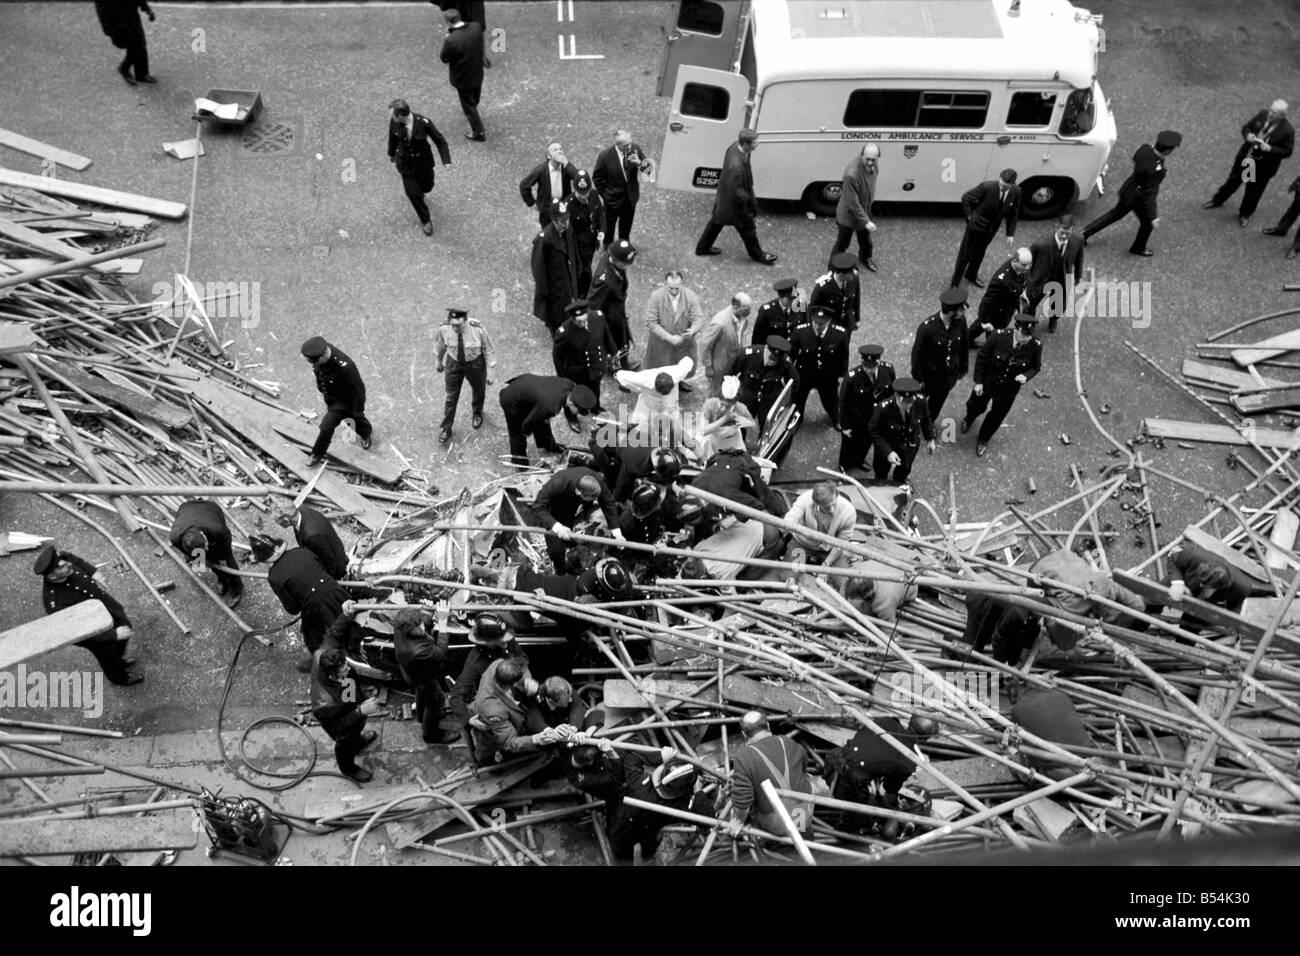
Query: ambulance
x=952, y=91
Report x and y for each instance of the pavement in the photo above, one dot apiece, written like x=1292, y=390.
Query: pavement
x=317, y=224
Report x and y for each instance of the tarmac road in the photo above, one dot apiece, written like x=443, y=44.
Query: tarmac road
x=321, y=233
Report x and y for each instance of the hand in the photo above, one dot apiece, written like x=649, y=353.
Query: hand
x=98, y=577
x=546, y=737
x=1021, y=379
x=894, y=459
x=440, y=367
x=369, y=707
x=979, y=389
x=929, y=446
x=846, y=432
x=1178, y=591
x=666, y=754
x=568, y=732
x=443, y=611
x=152, y=17
x=734, y=827
x=600, y=237
x=349, y=609
x=871, y=226
x=1155, y=221
x=1011, y=243
x=617, y=535
x=675, y=339
x=561, y=532
x=987, y=326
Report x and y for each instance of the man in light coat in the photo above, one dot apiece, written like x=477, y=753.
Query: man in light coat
x=673, y=319
x=723, y=339
x=853, y=212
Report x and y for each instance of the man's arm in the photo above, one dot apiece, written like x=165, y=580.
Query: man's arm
x=439, y=350
x=598, y=175
x=544, y=503
x=970, y=199
x=440, y=142
x=694, y=313
x=489, y=350
x=1013, y=211
x=392, y=140
x=1285, y=145
x=528, y=182
x=653, y=325
x=918, y=354
x=708, y=334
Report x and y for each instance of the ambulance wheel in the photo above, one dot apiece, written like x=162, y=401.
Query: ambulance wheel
x=1044, y=197
x=822, y=198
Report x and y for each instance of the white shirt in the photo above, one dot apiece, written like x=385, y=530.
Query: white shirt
x=839, y=524
x=557, y=180
x=649, y=402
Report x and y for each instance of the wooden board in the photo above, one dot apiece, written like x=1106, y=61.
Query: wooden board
x=169, y=416
x=795, y=698
x=1218, y=434
x=621, y=694
x=129, y=266
x=168, y=830
x=1282, y=537
x=967, y=772
x=18, y=337
x=372, y=463
x=356, y=801
x=95, y=194
x=1257, y=403
x=53, y=631
x=1045, y=817
x=1267, y=348
x=35, y=147
x=831, y=733
x=1231, y=555
x=470, y=793
x=1150, y=590
x=39, y=240
x=1230, y=377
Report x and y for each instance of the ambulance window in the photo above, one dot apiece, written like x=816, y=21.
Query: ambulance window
x=706, y=102
x=700, y=16
x=962, y=110
x=1031, y=109
x=882, y=108
x=1079, y=115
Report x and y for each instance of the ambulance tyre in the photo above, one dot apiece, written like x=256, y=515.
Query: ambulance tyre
x=1043, y=197
x=822, y=198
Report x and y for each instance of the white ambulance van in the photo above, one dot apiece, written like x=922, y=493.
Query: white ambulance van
x=952, y=91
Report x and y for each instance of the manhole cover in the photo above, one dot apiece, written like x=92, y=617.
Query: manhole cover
x=268, y=139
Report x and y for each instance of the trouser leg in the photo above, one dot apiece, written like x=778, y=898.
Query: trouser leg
x=328, y=424
x=1289, y=217
x=976, y=404
x=544, y=438
x=749, y=235
x=936, y=394
x=624, y=217
x=1231, y=183
x=853, y=449
x=1108, y=218
x=415, y=191
x=712, y=229
x=843, y=236
x=1145, y=228
x=230, y=583
x=829, y=395
x=518, y=440
x=866, y=245
x=1002, y=403
x=476, y=375
x=428, y=709
x=455, y=377
x=347, y=747
x=469, y=99
x=108, y=653
x=362, y=424
x=1250, y=199
x=137, y=58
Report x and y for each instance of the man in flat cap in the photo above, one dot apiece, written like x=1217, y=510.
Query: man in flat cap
x=985, y=207
x=897, y=427
x=735, y=204
x=1139, y=192
x=587, y=220
x=555, y=268
x=763, y=373
x=1006, y=361
x=820, y=352
x=1004, y=297
x=200, y=526
x=779, y=316
x=940, y=353
x=529, y=402
x=1267, y=138
x=68, y=580
x=409, y=139
x=463, y=349
x=463, y=52
x=339, y=383
x=840, y=291
x=871, y=383
x=583, y=349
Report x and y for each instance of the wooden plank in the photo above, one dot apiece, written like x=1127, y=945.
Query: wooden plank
x=1212, y=614
x=831, y=733
x=39, y=240
x=372, y=463
x=1267, y=348
x=95, y=194
x=1047, y=818
x=1257, y=403
x=172, y=830
x=353, y=801
x=967, y=772
x=1231, y=555
x=164, y=414
x=128, y=266
x=18, y=337
x=1276, y=438
x=471, y=793
x=621, y=694
x=1219, y=375
x=1282, y=539
x=53, y=631
x=34, y=147
x=795, y=698
x=1210, y=700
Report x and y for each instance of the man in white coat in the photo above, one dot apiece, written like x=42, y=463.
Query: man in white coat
x=673, y=318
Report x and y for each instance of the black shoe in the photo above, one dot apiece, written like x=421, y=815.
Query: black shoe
x=427, y=228
x=477, y=420
x=965, y=426
x=304, y=662
x=981, y=450
x=444, y=435
x=870, y=265
x=714, y=251
x=976, y=282
x=125, y=678
x=769, y=259
x=125, y=73
x=314, y=460
x=1211, y=205
x=359, y=774
x=685, y=387
x=1242, y=221
x=1273, y=231
x=368, y=738
x=480, y=138
x=148, y=79
x=365, y=443
x=1141, y=252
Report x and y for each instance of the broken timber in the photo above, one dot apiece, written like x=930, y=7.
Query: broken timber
x=174, y=831
x=468, y=793
x=95, y=194
x=53, y=631
x=34, y=147
x=1277, y=438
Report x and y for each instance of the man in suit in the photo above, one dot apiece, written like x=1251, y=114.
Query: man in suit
x=1288, y=220
x=840, y=291
x=1139, y=192
x=617, y=177
x=1055, y=259
x=735, y=204
x=462, y=51
x=871, y=383
x=588, y=222
x=723, y=339
x=548, y=182
x=313, y=531
x=339, y=382
x=897, y=427
x=200, y=525
x=781, y=315
x=409, y=138
x=529, y=402
x=583, y=349
x=1006, y=361
x=555, y=268
x=985, y=206
x=568, y=498
x=1267, y=139
x=853, y=211
x=940, y=352
x=820, y=351
x=1004, y=297
x=673, y=319
x=120, y=21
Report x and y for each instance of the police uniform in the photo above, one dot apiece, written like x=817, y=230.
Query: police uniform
x=466, y=354
x=340, y=385
x=821, y=360
x=529, y=402
x=583, y=355
x=312, y=530
x=1139, y=192
x=861, y=391
x=303, y=586
x=1004, y=297
x=999, y=361
x=207, y=517
x=608, y=295
x=733, y=474
x=80, y=586
x=845, y=303
x=761, y=384
x=940, y=352
x=587, y=220
x=893, y=430
x=773, y=318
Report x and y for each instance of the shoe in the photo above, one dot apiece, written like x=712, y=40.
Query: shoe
x=359, y=774
x=1211, y=205
x=1273, y=231
x=368, y=738
x=1242, y=220
x=685, y=387
x=1141, y=252
x=304, y=662
x=314, y=460
x=428, y=228
x=126, y=679
x=482, y=138
x=232, y=598
x=715, y=251
x=148, y=79
x=965, y=426
x=126, y=75
x=128, y=661
x=769, y=259
x=1290, y=254
x=870, y=265
x=981, y=450
x=446, y=738
x=444, y=435
x=365, y=444
x=976, y=283
x=477, y=420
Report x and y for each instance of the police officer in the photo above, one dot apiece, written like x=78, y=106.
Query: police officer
x=733, y=474
x=1139, y=192
x=608, y=293
x=464, y=348
x=840, y=291
x=566, y=499
x=779, y=316
x=1004, y=297
x=583, y=348
x=587, y=220
x=312, y=530
x=333, y=698
x=410, y=136
x=529, y=402
x=940, y=352
x=820, y=352
x=871, y=383
x=897, y=427
x=200, y=525
x=303, y=586
x=763, y=372
x=339, y=382
x=68, y=580
x=1006, y=361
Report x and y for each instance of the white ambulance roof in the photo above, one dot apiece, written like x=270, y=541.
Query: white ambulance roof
x=922, y=39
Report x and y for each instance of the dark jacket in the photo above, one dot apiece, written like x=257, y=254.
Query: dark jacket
x=734, y=475
x=415, y=154
x=462, y=51
x=535, y=188
x=940, y=353
x=774, y=320
x=206, y=516
x=760, y=384
x=608, y=293
x=120, y=20
x=471, y=11
x=735, y=204
x=534, y=399
x=313, y=531
x=337, y=717
x=420, y=658
x=578, y=352
x=79, y=586
x=462, y=695
x=1143, y=184
x=614, y=186
x=555, y=274
x=1051, y=266
x=586, y=219
x=819, y=359
x=984, y=209
x=890, y=430
x=1010, y=628
x=859, y=395
x=867, y=758
x=339, y=382
x=1002, y=298
x=1281, y=138
x=1001, y=359
x=558, y=500
x=845, y=304
x=1187, y=565
x=303, y=587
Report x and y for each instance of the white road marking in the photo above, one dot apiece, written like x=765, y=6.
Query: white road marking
x=573, y=53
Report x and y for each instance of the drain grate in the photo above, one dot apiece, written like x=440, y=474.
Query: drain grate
x=269, y=139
